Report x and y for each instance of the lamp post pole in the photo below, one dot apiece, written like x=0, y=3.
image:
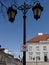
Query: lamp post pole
x=24, y=39
x=24, y=8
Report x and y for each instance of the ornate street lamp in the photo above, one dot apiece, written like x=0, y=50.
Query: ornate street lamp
x=11, y=14
x=37, y=9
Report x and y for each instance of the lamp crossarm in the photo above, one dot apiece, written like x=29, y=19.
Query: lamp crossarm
x=3, y=5
x=24, y=8
x=35, y=2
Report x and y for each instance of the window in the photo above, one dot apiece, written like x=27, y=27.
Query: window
x=38, y=58
x=37, y=48
x=30, y=48
x=3, y=58
x=30, y=57
x=44, y=48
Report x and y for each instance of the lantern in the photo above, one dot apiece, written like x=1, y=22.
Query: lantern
x=37, y=9
x=11, y=14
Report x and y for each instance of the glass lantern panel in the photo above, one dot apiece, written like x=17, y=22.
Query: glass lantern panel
x=11, y=14
x=39, y=12
x=35, y=11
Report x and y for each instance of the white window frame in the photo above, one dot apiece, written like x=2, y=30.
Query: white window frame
x=37, y=48
x=44, y=48
x=29, y=48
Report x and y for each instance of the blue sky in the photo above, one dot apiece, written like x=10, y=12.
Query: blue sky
x=11, y=35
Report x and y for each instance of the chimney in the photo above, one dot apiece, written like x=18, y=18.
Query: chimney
x=40, y=33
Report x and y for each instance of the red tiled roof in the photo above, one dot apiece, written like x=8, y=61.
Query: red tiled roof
x=38, y=38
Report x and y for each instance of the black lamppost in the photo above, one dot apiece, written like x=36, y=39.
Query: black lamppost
x=37, y=9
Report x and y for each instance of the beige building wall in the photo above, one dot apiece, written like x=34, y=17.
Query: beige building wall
x=8, y=59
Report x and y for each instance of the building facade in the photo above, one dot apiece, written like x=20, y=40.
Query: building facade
x=8, y=59
x=38, y=50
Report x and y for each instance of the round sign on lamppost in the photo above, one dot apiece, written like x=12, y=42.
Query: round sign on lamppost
x=24, y=48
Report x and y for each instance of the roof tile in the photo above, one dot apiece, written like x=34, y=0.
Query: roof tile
x=38, y=38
